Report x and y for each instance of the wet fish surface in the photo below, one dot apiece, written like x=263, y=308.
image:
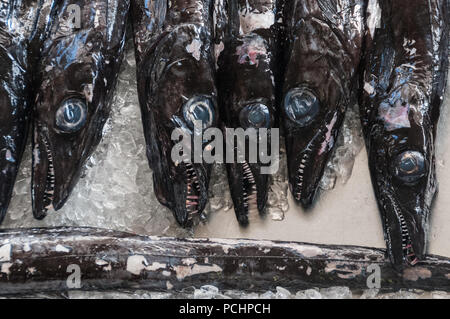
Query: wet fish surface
x=176, y=86
x=246, y=84
x=80, y=61
x=405, y=76
x=322, y=54
x=21, y=32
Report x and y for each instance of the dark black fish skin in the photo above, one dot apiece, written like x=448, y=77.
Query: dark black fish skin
x=175, y=63
x=324, y=40
x=21, y=31
x=246, y=86
x=76, y=77
x=406, y=66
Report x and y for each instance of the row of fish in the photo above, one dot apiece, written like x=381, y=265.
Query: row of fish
x=230, y=64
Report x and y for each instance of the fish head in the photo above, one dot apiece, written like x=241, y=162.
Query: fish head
x=402, y=164
x=182, y=180
x=311, y=128
x=179, y=103
x=248, y=180
x=247, y=102
x=77, y=75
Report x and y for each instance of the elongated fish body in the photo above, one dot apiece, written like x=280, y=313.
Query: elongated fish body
x=324, y=40
x=80, y=61
x=404, y=80
x=21, y=30
x=247, y=95
x=176, y=85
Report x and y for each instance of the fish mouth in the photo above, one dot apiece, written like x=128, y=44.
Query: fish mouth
x=308, y=165
x=193, y=191
x=190, y=193
x=43, y=176
x=248, y=189
x=49, y=193
x=405, y=237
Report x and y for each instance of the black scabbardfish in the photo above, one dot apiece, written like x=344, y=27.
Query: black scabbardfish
x=176, y=85
x=246, y=84
x=322, y=54
x=80, y=61
x=406, y=66
x=21, y=31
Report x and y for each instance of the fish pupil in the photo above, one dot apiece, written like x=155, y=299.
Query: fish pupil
x=71, y=116
x=255, y=116
x=201, y=112
x=410, y=166
x=301, y=106
x=199, y=108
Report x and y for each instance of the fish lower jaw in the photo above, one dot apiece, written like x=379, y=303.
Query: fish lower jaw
x=409, y=256
x=192, y=192
x=299, y=180
x=408, y=251
x=49, y=193
x=250, y=193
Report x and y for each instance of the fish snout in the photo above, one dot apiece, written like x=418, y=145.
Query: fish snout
x=405, y=194
x=249, y=190
x=56, y=169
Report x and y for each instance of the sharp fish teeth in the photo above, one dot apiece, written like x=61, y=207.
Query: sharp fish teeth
x=250, y=195
x=193, y=190
x=49, y=191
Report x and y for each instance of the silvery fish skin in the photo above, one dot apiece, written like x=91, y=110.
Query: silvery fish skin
x=405, y=75
x=323, y=49
x=21, y=32
x=80, y=61
x=176, y=86
x=247, y=94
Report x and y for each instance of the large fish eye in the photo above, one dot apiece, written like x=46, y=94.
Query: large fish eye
x=409, y=167
x=199, y=108
x=301, y=106
x=71, y=115
x=255, y=116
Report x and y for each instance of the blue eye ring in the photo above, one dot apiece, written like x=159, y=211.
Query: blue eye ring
x=255, y=115
x=71, y=116
x=199, y=108
x=301, y=106
x=409, y=167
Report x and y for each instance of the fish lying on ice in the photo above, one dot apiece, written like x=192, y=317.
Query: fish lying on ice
x=405, y=76
x=80, y=61
x=176, y=86
x=21, y=31
x=246, y=86
x=322, y=53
